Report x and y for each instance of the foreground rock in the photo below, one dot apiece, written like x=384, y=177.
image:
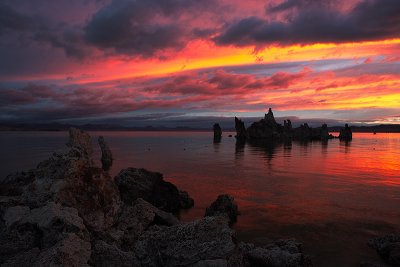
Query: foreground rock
x=69, y=212
x=224, y=206
x=139, y=183
x=388, y=247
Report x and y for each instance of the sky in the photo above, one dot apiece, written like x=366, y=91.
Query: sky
x=192, y=63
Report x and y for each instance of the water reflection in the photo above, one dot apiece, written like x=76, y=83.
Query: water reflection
x=332, y=196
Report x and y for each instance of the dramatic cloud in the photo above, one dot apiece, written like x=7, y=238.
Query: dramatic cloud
x=317, y=22
x=93, y=60
x=143, y=28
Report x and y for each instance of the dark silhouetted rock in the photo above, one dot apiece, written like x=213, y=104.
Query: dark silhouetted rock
x=217, y=131
x=240, y=129
x=186, y=200
x=106, y=155
x=139, y=183
x=388, y=247
x=224, y=205
x=346, y=134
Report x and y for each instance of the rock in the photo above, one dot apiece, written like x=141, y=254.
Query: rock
x=15, y=214
x=240, y=129
x=270, y=119
x=388, y=247
x=106, y=155
x=185, y=200
x=217, y=131
x=224, y=205
x=134, y=220
x=324, y=133
x=45, y=236
x=104, y=255
x=80, y=142
x=346, y=134
x=209, y=238
x=27, y=258
x=139, y=183
x=368, y=264
x=212, y=263
x=71, y=251
x=286, y=253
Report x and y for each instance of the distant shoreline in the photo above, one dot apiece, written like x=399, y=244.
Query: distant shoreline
x=383, y=128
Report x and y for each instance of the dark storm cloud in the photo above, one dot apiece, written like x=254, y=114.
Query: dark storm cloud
x=19, y=31
x=144, y=27
x=313, y=22
x=12, y=20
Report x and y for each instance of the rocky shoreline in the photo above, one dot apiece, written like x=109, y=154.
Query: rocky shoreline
x=268, y=129
x=70, y=212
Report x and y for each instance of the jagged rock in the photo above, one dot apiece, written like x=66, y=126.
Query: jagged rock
x=18, y=239
x=106, y=155
x=346, y=134
x=71, y=251
x=240, y=129
x=27, y=258
x=270, y=120
x=224, y=205
x=388, y=247
x=45, y=236
x=139, y=183
x=185, y=200
x=80, y=142
x=266, y=128
x=212, y=263
x=134, y=220
x=217, y=131
x=286, y=253
x=105, y=255
x=324, y=133
x=209, y=238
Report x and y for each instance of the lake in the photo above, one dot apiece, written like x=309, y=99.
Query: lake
x=330, y=196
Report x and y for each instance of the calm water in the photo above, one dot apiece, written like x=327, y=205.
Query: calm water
x=332, y=197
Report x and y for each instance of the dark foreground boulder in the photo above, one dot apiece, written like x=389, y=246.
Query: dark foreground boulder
x=388, y=247
x=225, y=206
x=136, y=183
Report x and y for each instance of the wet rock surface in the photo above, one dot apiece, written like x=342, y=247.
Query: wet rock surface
x=69, y=212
